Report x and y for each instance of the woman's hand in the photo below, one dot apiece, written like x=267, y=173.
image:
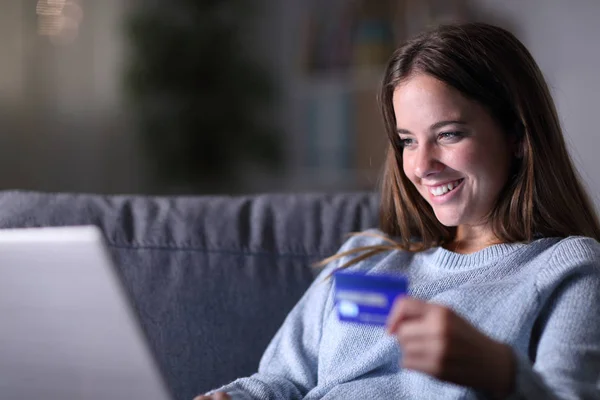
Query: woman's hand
x=438, y=342
x=215, y=396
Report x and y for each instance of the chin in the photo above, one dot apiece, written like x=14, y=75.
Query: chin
x=448, y=224
x=448, y=220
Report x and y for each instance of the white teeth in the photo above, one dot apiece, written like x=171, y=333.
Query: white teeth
x=443, y=189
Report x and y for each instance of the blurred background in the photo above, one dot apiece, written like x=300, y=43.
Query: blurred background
x=242, y=96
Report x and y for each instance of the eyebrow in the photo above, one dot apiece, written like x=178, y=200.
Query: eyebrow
x=435, y=126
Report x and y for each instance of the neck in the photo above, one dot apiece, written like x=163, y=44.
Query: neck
x=470, y=239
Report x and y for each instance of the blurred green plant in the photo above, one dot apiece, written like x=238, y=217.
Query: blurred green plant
x=201, y=100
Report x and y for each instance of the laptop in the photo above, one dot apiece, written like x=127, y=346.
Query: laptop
x=67, y=327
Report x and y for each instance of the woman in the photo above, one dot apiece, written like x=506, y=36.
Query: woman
x=481, y=208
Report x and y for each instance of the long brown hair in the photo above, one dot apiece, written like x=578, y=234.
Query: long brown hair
x=489, y=65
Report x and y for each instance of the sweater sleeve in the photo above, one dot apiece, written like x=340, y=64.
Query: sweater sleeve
x=567, y=356
x=288, y=368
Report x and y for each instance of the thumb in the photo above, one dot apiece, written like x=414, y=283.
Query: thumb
x=404, y=308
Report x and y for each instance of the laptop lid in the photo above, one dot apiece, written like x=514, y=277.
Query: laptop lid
x=67, y=327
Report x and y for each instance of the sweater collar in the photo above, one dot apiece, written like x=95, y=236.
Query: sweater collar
x=450, y=260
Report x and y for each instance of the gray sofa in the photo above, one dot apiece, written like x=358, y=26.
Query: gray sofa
x=212, y=278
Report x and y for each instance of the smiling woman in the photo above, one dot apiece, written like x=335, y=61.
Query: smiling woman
x=453, y=152
x=504, y=119
x=482, y=210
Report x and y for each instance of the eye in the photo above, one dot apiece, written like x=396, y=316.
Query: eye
x=406, y=142
x=453, y=136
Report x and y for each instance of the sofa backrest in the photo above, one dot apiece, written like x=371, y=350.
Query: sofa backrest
x=211, y=278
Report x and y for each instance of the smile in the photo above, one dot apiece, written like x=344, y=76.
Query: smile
x=445, y=188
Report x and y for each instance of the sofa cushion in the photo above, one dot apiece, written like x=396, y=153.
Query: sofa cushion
x=211, y=278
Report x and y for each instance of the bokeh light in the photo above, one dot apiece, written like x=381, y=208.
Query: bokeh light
x=59, y=20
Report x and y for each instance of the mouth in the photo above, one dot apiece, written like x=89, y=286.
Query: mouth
x=446, y=189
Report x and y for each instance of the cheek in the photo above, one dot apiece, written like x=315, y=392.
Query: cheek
x=407, y=167
x=465, y=159
x=489, y=169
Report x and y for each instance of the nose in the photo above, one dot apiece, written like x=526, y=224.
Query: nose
x=426, y=162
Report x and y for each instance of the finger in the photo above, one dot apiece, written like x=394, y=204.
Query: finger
x=404, y=308
x=429, y=356
x=414, y=330
x=415, y=349
x=416, y=360
x=436, y=321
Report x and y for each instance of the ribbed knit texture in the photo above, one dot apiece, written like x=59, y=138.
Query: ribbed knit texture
x=542, y=298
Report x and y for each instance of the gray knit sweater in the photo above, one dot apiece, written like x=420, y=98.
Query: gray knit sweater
x=541, y=298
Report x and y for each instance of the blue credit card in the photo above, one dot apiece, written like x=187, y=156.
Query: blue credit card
x=366, y=299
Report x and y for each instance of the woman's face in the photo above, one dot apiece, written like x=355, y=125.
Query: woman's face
x=454, y=152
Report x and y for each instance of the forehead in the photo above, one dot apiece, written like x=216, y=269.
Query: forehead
x=423, y=99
